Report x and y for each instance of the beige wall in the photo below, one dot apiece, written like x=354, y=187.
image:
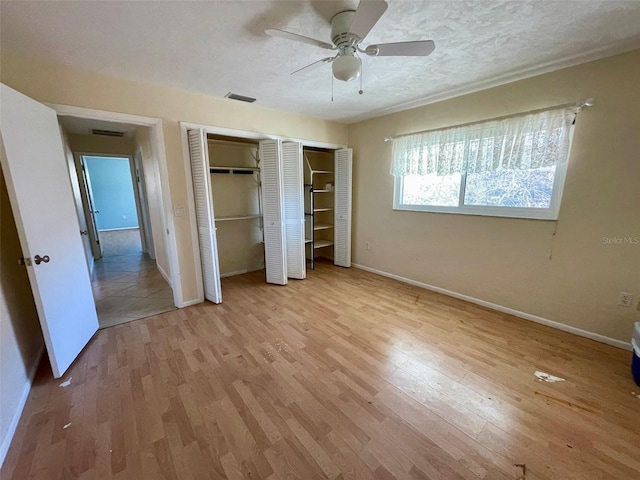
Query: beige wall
x=561, y=271
x=21, y=341
x=63, y=85
x=151, y=179
x=101, y=144
x=77, y=197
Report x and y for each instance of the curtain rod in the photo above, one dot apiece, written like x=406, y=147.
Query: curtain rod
x=579, y=106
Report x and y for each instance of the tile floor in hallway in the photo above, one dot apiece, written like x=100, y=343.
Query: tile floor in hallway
x=126, y=283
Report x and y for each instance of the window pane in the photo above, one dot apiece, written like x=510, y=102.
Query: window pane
x=443, y=190
x=511, y=188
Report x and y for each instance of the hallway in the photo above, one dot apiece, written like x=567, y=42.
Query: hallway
x=126, y=283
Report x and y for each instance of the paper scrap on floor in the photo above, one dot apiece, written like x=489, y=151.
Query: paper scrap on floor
x=547, y=377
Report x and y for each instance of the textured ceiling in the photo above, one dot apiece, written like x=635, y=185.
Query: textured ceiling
x=219, y=46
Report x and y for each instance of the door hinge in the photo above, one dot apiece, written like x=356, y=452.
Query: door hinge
x=24, y=261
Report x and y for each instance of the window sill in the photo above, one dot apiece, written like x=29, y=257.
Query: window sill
x=518, y=213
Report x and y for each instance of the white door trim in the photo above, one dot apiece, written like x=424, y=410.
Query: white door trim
x=230, y=132
x=158, y=147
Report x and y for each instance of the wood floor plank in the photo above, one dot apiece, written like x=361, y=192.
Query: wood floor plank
x=345, y=375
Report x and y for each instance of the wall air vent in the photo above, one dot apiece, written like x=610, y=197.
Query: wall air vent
x=107, y=133
x=242, y=98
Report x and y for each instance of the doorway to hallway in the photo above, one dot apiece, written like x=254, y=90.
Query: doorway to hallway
x=126, y=283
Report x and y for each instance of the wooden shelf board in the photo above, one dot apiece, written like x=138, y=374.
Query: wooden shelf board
x=236, y=217
x=321, y=191
x=322, y=243
x=322, y=226
x=321, y=171
x=307, y=240
x=322, y=209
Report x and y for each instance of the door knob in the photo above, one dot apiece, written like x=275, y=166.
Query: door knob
x=84, y=232
x=38, y=259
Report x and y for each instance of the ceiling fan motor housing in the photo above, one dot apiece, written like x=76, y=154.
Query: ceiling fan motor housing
x=340, y=34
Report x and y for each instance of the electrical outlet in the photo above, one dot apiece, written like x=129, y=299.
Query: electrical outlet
x=625, y=299
x=179, y=211
x=367, y=246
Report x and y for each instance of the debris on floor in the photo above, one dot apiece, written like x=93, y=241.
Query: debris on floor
x=547, y=377
x=66, y=383
x=66, y=426
x=523, y=466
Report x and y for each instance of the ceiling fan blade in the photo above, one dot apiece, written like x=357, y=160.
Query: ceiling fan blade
x=314, y=65
x=274, y=32
x=366, y=16
x=420, y=48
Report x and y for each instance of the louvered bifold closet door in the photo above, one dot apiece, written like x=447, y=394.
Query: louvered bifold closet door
x=205, y=218
x=342, y=208
x=293, y=209
x=275, y=258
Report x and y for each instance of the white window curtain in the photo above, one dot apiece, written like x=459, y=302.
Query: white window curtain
x=527, y=141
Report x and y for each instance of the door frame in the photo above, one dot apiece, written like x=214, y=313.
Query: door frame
x=230, y=132
x=134, y=185
x=160, y=163
x=148, y=247
x=87, y=205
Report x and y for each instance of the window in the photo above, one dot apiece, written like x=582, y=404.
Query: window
x=513, y=167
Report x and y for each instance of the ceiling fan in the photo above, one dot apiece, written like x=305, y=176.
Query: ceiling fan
x=348, y=29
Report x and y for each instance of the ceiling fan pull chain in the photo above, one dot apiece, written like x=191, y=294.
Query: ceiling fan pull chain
x=361, y=75
x=332, y=87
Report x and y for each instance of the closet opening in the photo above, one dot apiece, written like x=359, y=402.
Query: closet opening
x=234, y=172
x=265, y=204
x=319, y=203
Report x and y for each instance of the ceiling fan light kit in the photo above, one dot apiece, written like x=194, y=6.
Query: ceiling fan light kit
x=347, y=67
x=348, y=29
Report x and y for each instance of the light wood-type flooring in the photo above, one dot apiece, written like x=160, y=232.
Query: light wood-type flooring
x=345, y=375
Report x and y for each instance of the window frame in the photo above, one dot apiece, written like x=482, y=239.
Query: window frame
x=550, y=213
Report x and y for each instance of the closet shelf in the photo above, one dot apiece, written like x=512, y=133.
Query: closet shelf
x=307, y=240
x=322, y=209
x=322, y=226
x=321, y=171
x=321, y=191
x=232, y=170
x=322, y=243
x=237, y=217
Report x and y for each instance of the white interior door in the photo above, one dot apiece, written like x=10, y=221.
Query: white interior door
x=292, y=179
x=342, y=208
x=90, y=211
x=205, y=218
x=275, y=257
x=33, y=163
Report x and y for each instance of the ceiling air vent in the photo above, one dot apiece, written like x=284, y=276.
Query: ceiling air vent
x=242, y=98
x=107, y=133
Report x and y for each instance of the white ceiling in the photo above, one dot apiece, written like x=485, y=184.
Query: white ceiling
x=215, y=47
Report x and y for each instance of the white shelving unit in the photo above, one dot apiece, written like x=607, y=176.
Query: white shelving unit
x=317, y=195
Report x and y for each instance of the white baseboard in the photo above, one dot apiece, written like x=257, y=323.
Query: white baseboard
x=527, y=316
x=164, y=275
x=188, y=303
x=233, y=274
x=6, y=441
